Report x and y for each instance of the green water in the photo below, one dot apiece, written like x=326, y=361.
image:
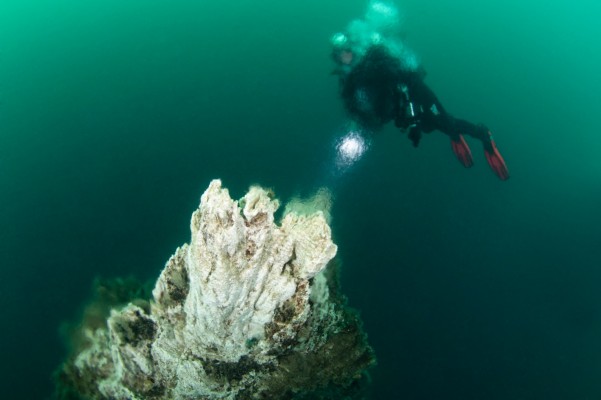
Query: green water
x=114, y=116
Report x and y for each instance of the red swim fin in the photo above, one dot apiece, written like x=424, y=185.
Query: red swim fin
x=462, y=151
x=495, y=160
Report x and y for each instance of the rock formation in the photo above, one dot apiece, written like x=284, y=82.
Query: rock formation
x=247, y=310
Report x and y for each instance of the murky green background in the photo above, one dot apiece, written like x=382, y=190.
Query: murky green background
x=115, y=115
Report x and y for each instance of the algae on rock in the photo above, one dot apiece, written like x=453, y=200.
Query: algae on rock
x=247, y=310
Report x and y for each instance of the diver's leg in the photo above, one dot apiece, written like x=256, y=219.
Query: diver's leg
x=464, y=127
x=435, y=117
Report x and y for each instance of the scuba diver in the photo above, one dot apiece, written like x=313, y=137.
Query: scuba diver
x=381, y=81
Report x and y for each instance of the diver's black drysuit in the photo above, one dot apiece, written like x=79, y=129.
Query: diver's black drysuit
x=377, y=90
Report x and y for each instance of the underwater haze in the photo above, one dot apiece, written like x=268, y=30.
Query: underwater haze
x=115, y=115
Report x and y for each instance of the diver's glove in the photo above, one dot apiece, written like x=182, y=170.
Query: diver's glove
x=494, y=158
x=462, y=151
